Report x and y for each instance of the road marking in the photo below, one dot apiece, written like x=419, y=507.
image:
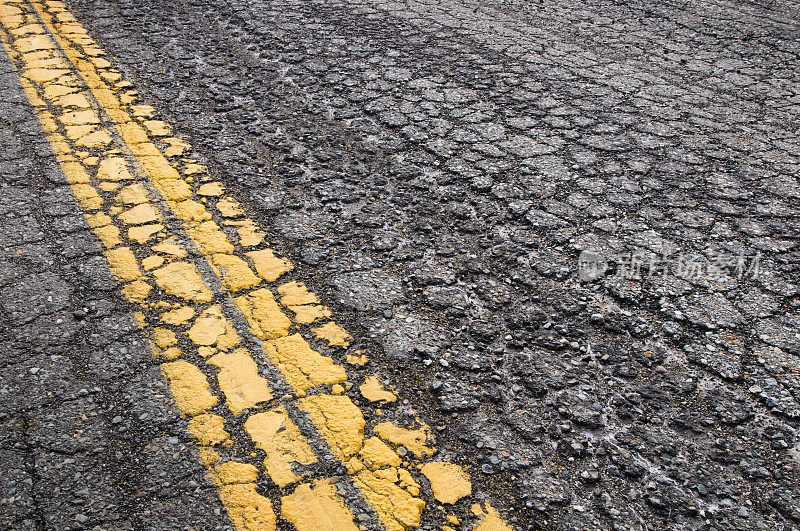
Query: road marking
x=206, y=295
x=373, y=391
x=448, y=481
x=275, y=433
x=316, y=508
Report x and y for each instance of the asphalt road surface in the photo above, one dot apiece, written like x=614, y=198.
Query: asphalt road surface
x=365, y=264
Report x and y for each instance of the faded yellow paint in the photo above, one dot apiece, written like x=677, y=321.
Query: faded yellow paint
x=397, y=509
x=97, y=61
x=113, y=169
x=141, y=321
x=33, y=43
x=111, y=76
x=490, y=519
x=137, y=291
x=339, y=421
x=26, y=29
x=133, y=194
x=94, y=140
x=45, y=60
x=152, y=262
x=190, y=210
x=249, y=235
x=179, y=316
x=303, y=367
x=296, y=294
x=140, y=214
x=108, y=235
x=276, y=434
x=48, y=63
x=214, y=189
x=42, y=75
x=165, y=177
x=75, y=174
x=9, y=13
x=310, y=313
x=448, y=481
x=55, y=92
x=170, y=247
x=74, y=100
x=46, y=120
x=164, y=337
x=108, y=186
x=191, y=168
x=373, y=391
x=208, y=429
x=79, y=118
x=208, y=327
x=181, y=279
x=239, y=381
x=142, y=111
x=248, y=510
x=236, y=275
x=133, y=135
x=413, y=440
x=176, y=148
x=232, y=472
x=76, y=132
x=49, y=125
x=266, y=319
x=229, y=208
x=171, y=354
x=359, y=360
x=87, y=196
x=335, y=335
x=123, y=264
x=142, y=233
x=174, y=189
x=354, y=466
x=206, y=351
x=268, y=266
x=189, y=387
x=158, y=128
x=317, y=507
x=12, y=21
x=375, y=454
x=210, y=238
x=407, y=482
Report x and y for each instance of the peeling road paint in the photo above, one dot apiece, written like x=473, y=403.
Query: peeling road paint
x=241, y=342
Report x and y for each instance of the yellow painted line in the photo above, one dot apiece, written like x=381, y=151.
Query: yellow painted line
x=233, y=338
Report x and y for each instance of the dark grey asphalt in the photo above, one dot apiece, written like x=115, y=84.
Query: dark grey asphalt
x=462, y=154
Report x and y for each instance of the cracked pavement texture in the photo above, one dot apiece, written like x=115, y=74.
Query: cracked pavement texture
x=88, y=438
x=436, y=168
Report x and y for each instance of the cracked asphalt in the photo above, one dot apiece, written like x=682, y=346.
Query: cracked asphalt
x=442, y=173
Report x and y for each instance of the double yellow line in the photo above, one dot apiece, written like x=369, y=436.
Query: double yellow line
x=224, y=319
